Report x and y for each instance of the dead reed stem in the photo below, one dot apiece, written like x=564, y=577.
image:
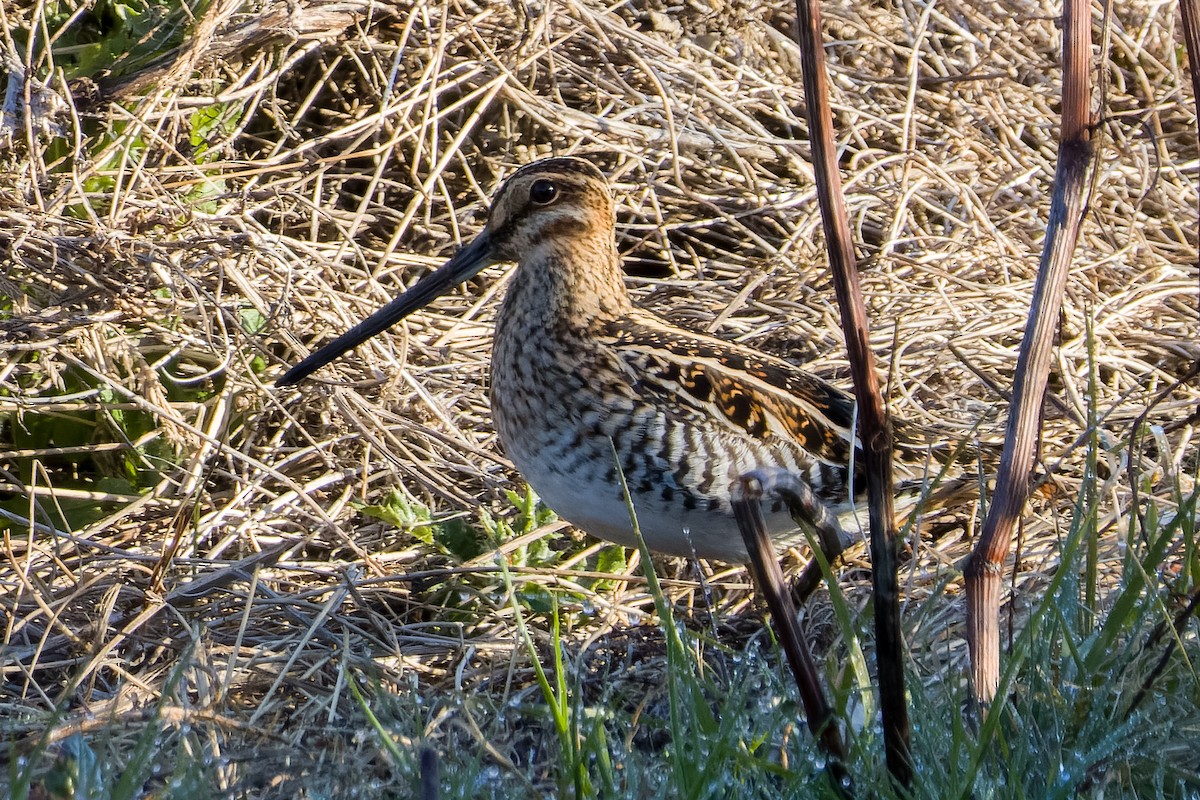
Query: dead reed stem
x=1013, y=479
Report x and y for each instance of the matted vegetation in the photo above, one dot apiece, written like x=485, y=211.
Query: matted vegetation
x=211, y=587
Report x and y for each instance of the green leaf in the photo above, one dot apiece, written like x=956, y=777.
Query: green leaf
x=252, y=320
x=398, y=511
x=459, y=539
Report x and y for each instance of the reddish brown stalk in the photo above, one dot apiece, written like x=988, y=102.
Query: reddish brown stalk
x=1191, y=40
x=1033, y=362
x=873, y=424
x=747, y=508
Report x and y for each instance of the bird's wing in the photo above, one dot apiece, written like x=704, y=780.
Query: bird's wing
x=758, y=395
x=750, y=393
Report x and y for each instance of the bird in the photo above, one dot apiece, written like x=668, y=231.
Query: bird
x=591, y=394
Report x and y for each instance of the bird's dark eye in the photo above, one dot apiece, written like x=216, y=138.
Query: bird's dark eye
x=543, y=192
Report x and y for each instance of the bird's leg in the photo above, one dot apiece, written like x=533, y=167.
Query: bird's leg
x=813, y=516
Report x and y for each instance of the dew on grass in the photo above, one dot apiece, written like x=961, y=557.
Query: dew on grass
x=489, y=775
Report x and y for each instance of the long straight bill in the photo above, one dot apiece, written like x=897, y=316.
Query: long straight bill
x=464, y=265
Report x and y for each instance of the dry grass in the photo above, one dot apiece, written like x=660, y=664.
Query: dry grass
x=153, y=295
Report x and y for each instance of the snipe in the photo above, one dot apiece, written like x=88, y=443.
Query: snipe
x=579, y=372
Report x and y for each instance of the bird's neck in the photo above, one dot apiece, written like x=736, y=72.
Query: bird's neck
x=573, y=284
